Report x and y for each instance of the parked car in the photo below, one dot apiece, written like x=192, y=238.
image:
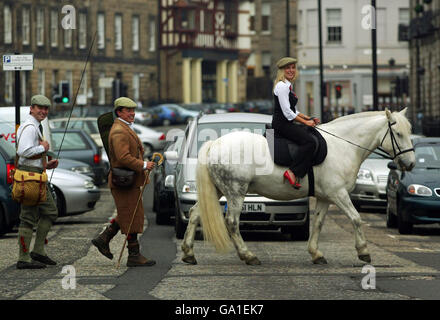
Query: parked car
x=163, y=181
x=184, y=115
x=371, y=183
x=291, y=216
x=75, y=193
x=414, y=197
x=151, y=139
x=162, y=115
x=89, y=125
x=76, y=166
x=78, y=145
x=9, y=209
x=143, y=116
x=198, y=107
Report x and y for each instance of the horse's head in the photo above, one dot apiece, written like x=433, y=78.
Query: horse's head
x=397, y=140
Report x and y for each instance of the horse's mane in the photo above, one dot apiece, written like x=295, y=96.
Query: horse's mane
x=406, y=125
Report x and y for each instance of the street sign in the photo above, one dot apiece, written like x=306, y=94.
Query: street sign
x=18, y=62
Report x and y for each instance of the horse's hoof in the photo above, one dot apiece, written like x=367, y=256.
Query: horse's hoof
x=365, y=257
x=253, y=262
x=189, y=260
x=320, y=260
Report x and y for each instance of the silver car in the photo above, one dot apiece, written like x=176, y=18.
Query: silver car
x=151, y=139
x=371, y=183
x=258, y=212
x=75, y=193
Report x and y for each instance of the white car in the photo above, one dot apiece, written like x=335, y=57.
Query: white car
x=152, y=140
x=75, y=193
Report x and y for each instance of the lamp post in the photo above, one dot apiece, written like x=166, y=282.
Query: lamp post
x=374, y=54
x=321, y=66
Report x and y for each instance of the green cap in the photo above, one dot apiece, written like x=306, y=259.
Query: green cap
x=285, y=62
x=40, y=100
x=124, y=102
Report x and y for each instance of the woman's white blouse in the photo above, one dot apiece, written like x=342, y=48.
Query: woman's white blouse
x=282, y=90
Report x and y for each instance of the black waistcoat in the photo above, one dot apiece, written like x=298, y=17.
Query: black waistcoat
x=278, y=114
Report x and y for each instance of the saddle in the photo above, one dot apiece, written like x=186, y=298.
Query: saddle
x=285, y=152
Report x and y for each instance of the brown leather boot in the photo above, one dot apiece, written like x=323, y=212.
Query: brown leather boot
x=103, y=240
x=135, y=259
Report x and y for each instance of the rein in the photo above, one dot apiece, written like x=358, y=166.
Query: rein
x=387, y=155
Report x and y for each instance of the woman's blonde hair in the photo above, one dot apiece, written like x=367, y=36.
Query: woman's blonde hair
x=280, y=77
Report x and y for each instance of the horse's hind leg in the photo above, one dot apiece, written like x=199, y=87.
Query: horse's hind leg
x=342, y=200
x=318, y=222
x=188, y=240
x=233, y=224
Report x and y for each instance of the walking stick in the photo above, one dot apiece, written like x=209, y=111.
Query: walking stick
x=157, y=159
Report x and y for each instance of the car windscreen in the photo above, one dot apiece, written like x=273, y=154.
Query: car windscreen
x=428, y=155
x=212, y=131
x=89, y=126
x=72, y=141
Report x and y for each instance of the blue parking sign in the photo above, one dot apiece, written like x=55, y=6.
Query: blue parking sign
x=6, y=59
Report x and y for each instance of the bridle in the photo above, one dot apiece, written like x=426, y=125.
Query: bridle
x=387, y=155
x=394, y=143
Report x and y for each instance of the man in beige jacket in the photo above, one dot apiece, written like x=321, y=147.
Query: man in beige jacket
x=126, y=151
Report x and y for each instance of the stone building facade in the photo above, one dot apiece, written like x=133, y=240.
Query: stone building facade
x=424, y=33
x=124, y=49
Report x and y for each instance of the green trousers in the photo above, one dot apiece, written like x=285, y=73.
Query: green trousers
x=42, y=217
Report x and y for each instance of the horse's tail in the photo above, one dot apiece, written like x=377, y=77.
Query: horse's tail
x=212, y=220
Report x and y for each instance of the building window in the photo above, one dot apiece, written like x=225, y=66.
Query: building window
x=136, y=84
x=101, y=31
x=266, y=63
x=68, y=38
x=7, y=24
x=152, y=34
x=404, y=16
x=82, y=34
x=41, y=82
x=334, y=25
x=118, y=32
x=25, y=26
x=40, y=27
x=265, y=18
x=135, y=32
x=101, y=95
x=8, y=86
x=54, y=28
x=252, y=17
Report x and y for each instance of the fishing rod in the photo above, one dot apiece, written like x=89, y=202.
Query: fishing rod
x=74, y=100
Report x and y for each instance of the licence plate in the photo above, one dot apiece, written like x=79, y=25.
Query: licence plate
x=249, y=207
x=253, y=207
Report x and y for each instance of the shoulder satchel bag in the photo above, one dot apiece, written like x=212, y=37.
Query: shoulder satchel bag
x=28, y=188
x=123, y=177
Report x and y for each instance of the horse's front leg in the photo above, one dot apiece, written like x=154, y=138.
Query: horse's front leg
x=233, y=224
x=188, y=240
x=318, y=222
x=343, y=201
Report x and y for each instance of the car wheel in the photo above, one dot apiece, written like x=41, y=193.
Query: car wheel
x=391, y=218
x=299, y=233
x=404, y=227
x=148, y=149
x=60, y=201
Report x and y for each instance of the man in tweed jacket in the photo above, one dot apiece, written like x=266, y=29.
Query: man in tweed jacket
x=126, y=151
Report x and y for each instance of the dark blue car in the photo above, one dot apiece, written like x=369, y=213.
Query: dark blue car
x=9, y=209
x=414, y=197
x=164, y=115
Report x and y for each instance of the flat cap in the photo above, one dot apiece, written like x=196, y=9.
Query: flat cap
x=40, y=100
x=124, y=102
x=285, y=62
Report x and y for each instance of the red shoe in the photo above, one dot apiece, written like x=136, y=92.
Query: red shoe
x=292, y=182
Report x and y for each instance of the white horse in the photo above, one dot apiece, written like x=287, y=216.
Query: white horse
x=334, y=179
